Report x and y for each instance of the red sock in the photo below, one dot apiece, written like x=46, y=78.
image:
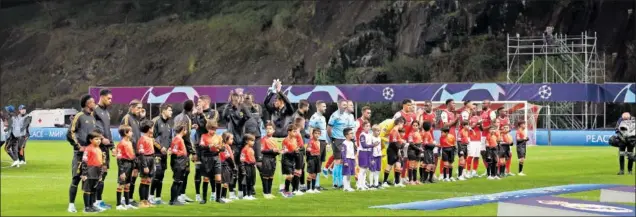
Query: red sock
x=441, y=168
x=469, y=161
x=508, y=166
x=405, y=169
x=329, y=162
x=476, y=163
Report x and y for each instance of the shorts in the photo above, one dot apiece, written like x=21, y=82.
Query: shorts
x=90, y=185
x=268, y=166
x=288, y=163
x=76, y=164
x=412, y=155
x=448, y=155
x=504, y=151
x=227, y=174
x=300, y=160
x=491, y=154
x=249, y=176
x=161, y=164
x=483, y=144
x=179, y=165
x=136, y=163
x=94, y=172
x=392, y=157
x=375, y=164
x=210, y=165
x=313, y=164
x=349, y=167
x=462, y=150
x=521, y=150
x=474, y=149
x=323, y=150
x=336, y=147
x=150, y=162
x=124, y=167
x=436, y=151
x=364, y=159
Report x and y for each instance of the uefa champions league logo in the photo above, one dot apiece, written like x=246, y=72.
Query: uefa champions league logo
x=545, y=92
x=388, y=93
x=587, y=207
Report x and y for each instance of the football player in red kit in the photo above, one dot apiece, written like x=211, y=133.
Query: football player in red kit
x=448, y=118
x=504, y=120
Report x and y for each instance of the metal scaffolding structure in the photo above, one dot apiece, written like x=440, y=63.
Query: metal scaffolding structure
x=558, y=58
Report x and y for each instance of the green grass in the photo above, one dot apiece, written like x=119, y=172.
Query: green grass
x=41, y=187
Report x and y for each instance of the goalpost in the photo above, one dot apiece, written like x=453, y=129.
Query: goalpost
x=517, y=111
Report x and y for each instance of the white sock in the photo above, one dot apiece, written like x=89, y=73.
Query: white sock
x=361, y=179
x=370, y=177
x=377, y=177
x=345, y=182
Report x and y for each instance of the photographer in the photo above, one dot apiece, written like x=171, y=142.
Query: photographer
x=625, y=140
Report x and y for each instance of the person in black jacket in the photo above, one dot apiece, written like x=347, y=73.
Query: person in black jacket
x=163, y=137
x=253, y=125
x=201, y=116
x=102, y=121
x=235, y=115
x=81, y=126
x=280, y=111
x=185, y=119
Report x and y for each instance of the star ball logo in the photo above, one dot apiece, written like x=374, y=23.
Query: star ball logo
x=388, y=93
x=545, y=92
x=586, y=207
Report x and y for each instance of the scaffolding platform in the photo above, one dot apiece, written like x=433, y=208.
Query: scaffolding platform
x=559, y=58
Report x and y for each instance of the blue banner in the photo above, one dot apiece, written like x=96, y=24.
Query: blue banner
x=559, y=137
x=575, y=137
x=490, y=198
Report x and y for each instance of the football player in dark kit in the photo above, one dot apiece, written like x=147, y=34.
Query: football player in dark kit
x=235, y=115
x=81, y=126
x=253, y=125
x=163, y=137
x=625, y=140
x=185, y=119
x=201, y=116
x=102, y=122
x=132, y=119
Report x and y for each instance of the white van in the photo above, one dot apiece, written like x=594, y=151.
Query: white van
x=51, y=117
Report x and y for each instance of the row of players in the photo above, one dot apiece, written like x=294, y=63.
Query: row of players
x=222, y=169
x=333, y=131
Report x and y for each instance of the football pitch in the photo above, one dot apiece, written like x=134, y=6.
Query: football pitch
x=41, y=187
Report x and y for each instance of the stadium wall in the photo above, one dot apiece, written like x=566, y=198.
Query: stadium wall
x=559, y=137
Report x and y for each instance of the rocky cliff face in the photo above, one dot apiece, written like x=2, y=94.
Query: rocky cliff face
x=52, y=55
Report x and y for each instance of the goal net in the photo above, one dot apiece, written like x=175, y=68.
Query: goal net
x=517, y=111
